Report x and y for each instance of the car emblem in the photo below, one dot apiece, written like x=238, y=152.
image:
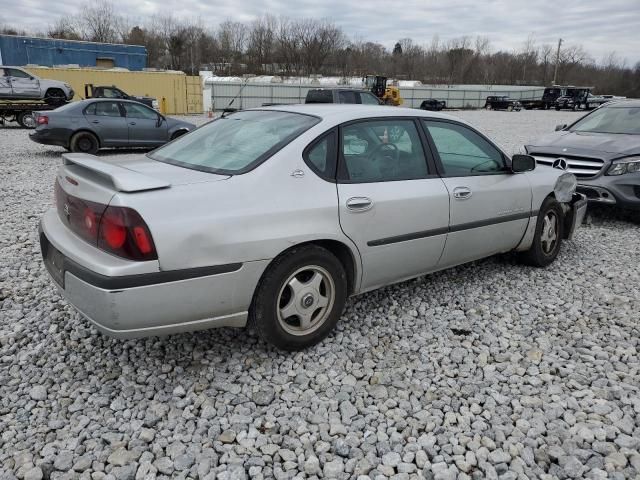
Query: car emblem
x=564, y=149
x=560, y=164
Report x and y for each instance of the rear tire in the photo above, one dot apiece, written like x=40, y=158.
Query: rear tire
x=84, y=142
x=26, y=120
x=548, y=235
x=300, y=298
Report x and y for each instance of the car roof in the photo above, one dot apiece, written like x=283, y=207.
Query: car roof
x=344, y=112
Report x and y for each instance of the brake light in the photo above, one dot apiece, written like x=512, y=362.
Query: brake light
x=120, y=231
x=42, y=120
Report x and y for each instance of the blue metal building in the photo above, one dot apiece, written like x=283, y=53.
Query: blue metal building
x=17, y=50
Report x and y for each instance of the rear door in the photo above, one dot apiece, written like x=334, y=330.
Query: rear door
x=5, y=84
x=145, y=129
x=23, y=85
x=106, y=120
x=348, y=96
x=490, y=206
x=391, y=204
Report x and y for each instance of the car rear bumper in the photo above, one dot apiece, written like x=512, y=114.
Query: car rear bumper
x=49, y=137
x=622, y=191
x=154, y=303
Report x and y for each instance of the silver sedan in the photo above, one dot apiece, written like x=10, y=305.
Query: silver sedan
x=275, y=216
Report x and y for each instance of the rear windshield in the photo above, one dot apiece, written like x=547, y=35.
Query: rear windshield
x=319, y=96
x=236, y=143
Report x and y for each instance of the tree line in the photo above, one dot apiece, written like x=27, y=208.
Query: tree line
x=291, y=47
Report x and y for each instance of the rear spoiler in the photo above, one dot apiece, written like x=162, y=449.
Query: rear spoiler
x=123, y=179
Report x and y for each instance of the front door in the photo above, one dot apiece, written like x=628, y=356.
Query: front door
x=391, y=204
x=23, y=85
x=106, y=120
x=490, y=206
x=146, y=127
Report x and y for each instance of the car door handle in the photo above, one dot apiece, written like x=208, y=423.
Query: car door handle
x=462, y=193
x=132, y=123
x=95, y=121
x=359, y=204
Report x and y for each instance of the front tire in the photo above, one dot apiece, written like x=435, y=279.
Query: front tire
x=548, y=235
x=55, y=97
x=300, y=298
x=84, y=142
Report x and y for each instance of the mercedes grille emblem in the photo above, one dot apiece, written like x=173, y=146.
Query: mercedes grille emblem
x=560, y=164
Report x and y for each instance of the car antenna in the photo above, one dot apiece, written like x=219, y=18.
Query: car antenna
x=228, y=108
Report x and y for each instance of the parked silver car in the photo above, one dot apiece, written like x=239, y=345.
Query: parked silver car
x=90, y=125
x=18, y=84
x=275, y=216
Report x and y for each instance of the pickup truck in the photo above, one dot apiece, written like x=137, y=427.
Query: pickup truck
x=91, y=91
x=341, y=95
x=16, y=84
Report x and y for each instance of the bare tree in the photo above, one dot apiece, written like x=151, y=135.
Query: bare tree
x=99, y=22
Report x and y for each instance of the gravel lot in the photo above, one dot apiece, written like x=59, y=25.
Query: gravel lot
x=490, y=370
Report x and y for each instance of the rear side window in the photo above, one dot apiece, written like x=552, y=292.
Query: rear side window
x=14, y=72
x=320, y=156
x=103, y=109
x=236, y=143
x=381, y=151
x=319, y=96
x=345, y=96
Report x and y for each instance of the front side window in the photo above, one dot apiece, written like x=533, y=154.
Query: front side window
x=236, y=143
x=14, y=72
x=103, y=109
x=111, y=93
x=462, y=151
x=623, y=120
x=369, y=99
x=381, y=151
x=135, y=110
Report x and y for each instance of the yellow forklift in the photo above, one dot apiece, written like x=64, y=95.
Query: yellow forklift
x=383, y=89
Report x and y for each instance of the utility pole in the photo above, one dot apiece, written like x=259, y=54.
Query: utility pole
x=555, y=72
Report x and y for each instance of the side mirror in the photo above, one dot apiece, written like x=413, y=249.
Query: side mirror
x=522, y=163
x=160, y=120
x=561, y=127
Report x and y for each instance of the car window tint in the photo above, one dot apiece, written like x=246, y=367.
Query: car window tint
x=14, y=72
x=319, y=96
x=321, y=156
x=134, y=110
x=107, y=109
x=369, y=99
x=345, y=96
x=380, y=151
x=462, y=151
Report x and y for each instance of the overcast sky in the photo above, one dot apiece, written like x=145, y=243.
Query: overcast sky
x=601, y=26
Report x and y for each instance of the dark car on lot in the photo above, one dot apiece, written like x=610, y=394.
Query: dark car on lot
x=433, y=104
x=502, y=102
x=111, y=91
x=90, y=125
x=602, y=150
x=341, y=95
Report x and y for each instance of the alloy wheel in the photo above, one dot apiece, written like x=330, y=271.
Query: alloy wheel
x=549, y=236
x=305, y=300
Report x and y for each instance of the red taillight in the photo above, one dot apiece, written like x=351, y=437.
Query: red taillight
x=42, y=120
x=120, y=231
x=124, y=233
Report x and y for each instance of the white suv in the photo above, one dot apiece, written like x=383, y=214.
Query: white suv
x=18, y=84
